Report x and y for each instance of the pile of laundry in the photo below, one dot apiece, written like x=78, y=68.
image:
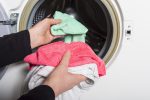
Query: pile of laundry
x=83, y=60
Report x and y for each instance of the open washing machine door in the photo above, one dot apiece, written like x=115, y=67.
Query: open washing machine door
x=8, y=25
x=4, y=30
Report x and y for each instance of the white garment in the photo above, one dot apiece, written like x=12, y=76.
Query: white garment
x=38, y=74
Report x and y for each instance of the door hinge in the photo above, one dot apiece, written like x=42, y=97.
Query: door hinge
x=12, y=21
x=8, y=22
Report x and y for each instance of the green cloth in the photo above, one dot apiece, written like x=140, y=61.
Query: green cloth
x=72, y=29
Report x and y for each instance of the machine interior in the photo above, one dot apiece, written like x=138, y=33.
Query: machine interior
x=91, y=13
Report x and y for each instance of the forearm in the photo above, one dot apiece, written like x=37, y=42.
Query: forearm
x=42, y=92
x=14, y=47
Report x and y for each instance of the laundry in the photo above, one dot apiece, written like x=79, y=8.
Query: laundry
x=51, y=55
x=38, y=74
x=83, y=61
x=75, y=38
x=69, y=26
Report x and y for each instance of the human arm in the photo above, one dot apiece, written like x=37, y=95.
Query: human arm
x=16, y=46
x=42, y=92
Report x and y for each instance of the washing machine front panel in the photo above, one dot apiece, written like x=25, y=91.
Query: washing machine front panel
x=25, y=21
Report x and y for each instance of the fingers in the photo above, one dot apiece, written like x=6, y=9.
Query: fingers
x=79, y=77
x=54, y=21
x=65, y=60
x=54, y=37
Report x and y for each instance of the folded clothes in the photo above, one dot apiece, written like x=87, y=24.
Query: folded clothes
x=38, y=74
x=51, y=55
x=69, y=26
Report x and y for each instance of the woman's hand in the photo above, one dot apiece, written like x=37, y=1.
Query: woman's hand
x=40, y=33
x=60, y=80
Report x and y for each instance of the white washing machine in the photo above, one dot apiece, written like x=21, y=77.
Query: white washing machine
x=121, y=36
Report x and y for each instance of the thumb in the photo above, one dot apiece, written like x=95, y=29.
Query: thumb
x=54, y=21
x=65, y=61
x=79, y=77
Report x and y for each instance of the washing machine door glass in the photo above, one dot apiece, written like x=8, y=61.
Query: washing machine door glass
x=4, y=30
x=92, y=13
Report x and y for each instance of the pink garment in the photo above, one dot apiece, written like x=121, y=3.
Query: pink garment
x=51, y=55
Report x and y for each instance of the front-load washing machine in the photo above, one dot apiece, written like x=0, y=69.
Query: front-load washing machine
x=110, y=36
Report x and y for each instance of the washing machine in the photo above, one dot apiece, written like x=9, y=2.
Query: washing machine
x=118, y=33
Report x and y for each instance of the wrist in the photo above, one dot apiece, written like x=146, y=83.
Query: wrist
x=53, y=86
x=34, y=41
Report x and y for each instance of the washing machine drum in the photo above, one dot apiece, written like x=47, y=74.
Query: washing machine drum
x=91, y=13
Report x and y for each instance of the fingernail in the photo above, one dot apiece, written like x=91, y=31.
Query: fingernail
x=68, y=52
